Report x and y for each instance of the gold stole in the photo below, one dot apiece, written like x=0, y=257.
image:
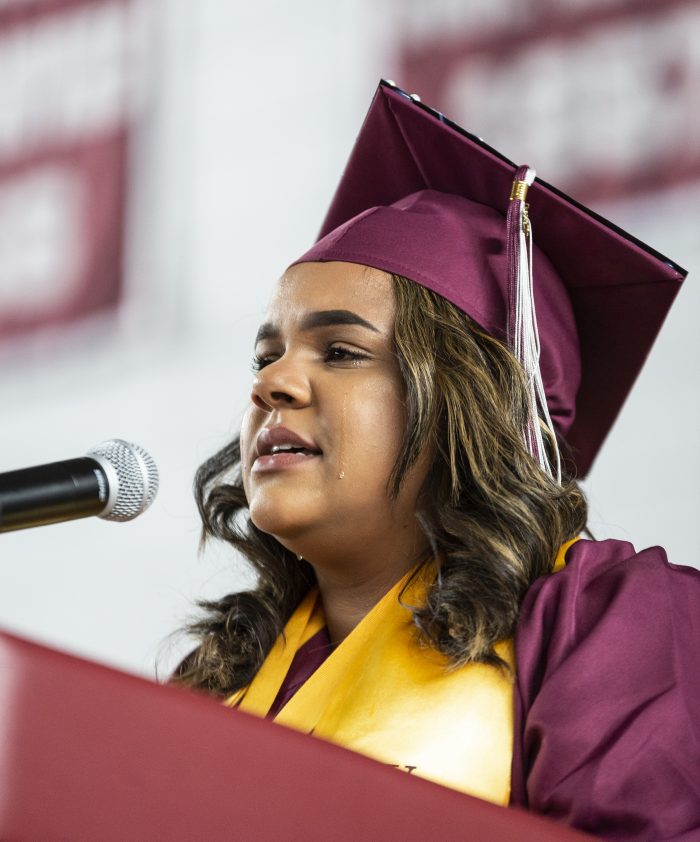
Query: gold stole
x=385, y=694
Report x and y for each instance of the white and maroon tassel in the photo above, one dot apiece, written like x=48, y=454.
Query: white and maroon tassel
x=523, y=336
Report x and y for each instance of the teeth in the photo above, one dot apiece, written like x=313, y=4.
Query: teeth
x=286, y=448
x=278, y=448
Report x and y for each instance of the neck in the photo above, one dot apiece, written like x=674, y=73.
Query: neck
x=356, y=567
x=345, y=603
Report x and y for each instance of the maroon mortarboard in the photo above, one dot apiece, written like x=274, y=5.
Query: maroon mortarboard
x=421, y=197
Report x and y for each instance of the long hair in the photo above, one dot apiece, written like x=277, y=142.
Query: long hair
x=494, y=520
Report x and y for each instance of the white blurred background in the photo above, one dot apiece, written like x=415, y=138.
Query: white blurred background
x=162, y=161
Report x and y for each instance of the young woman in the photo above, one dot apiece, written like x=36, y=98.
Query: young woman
x=402, y=484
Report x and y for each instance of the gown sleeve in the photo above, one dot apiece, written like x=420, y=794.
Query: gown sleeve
x=607, y=697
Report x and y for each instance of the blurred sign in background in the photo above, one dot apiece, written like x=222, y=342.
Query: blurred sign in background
x=74, y=78
x=601, y=96
x=161, y=162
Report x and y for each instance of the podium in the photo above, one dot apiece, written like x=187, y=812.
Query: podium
x=90, y=753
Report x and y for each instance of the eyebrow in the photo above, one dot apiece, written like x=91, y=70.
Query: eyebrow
x=316, y=319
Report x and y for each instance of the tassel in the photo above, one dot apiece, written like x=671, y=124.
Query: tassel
x=522, y=334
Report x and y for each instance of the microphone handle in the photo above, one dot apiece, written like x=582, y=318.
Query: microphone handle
x=59, y=491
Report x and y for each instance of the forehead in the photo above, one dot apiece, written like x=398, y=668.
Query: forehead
x=334, y=285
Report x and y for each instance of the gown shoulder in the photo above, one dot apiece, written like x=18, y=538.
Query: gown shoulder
x=607, y=695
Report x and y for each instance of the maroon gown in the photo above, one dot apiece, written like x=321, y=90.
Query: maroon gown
x=607, y=701
x=607, y=695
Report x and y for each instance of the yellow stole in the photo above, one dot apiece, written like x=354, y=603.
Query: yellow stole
x=385, y=694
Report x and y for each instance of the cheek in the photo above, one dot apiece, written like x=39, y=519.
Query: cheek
x=372, y=434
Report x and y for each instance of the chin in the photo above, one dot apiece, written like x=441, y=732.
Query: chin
x=285, y=523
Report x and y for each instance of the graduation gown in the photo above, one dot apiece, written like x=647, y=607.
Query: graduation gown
x=607, y=695
x=605, y=726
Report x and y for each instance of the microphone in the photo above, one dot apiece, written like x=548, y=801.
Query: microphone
x=115, y=480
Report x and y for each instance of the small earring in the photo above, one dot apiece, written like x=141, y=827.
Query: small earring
x=300, y=557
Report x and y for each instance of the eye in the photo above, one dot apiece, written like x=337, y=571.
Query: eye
x=338, y=354
x=258, y=363
x=333, y=354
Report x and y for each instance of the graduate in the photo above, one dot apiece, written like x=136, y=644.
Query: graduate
x=430, y=379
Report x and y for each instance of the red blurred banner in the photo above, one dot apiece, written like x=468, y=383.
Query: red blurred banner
x=599, y=96
x=67, y=109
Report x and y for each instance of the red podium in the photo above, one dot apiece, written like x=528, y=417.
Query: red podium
x=89, y=753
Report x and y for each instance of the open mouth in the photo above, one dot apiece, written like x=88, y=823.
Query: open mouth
x=279, y=447
x=291, y=449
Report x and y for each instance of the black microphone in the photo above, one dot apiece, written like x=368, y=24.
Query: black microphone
x=115, y=480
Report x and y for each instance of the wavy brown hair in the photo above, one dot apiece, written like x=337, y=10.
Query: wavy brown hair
x=495, y=521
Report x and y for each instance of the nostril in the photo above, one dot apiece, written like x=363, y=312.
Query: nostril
x=260, y=403
x=281, y=396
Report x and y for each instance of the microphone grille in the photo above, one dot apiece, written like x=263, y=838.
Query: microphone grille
x=136, y=477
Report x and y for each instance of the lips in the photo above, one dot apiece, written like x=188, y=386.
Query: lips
x=278, y=448
x=276, y=439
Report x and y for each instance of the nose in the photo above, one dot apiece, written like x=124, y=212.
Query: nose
x=279, y=385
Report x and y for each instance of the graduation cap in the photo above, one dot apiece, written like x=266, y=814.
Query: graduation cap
x=423, y=198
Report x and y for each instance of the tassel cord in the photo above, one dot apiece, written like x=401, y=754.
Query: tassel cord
x=522, y=328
